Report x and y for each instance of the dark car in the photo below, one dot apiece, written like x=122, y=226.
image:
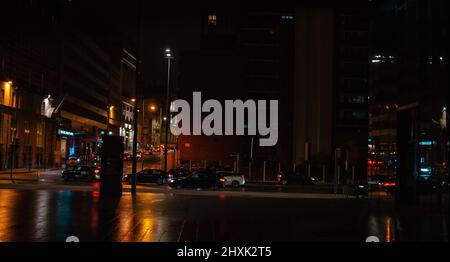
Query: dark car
x=388, y=185
x=149, y=176
x=361, y=190
x=199, y=179
x=179, y=173
x=88, y=173
x=294, y=178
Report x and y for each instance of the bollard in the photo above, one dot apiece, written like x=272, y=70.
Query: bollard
x=339, y=176
x=264, y=171
x=353, y=175
x=249, y=170
x=323, y=173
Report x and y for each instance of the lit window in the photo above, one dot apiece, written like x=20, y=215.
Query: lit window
x=212, y=20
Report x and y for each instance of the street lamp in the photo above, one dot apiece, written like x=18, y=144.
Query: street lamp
x=169, y=58
x=134, y=100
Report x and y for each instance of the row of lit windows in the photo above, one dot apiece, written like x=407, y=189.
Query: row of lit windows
x=212, y=19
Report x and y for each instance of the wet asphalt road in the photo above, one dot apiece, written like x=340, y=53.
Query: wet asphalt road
x=45, y=208
x=53, y=215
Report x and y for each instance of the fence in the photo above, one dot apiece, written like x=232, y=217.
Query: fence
x=259, y=170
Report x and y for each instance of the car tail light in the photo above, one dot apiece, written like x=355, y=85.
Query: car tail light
x=389, y=184
x=222, y=180
x=96, y=171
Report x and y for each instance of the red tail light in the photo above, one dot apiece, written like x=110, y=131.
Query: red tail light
x=389, y=184
x=97, y=171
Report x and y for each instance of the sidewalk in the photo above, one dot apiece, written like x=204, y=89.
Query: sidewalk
x=24, y=174
x=26, y=170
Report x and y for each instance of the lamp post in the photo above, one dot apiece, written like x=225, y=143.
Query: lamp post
x=169, y=57
x=135, y=103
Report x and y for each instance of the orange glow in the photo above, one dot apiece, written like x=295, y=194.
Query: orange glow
x=133, y=100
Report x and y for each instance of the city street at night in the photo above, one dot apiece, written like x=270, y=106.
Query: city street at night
x=218, y=129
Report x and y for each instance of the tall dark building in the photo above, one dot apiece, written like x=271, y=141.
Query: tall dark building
x=330, y=92
x=409, y=91
x=242, y=56
x=350, y=92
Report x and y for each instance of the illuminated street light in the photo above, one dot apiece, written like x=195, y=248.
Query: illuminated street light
x=166, y=135
x=133, y=100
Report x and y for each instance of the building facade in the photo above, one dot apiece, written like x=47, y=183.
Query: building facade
x=409, y=93
x=60, y=91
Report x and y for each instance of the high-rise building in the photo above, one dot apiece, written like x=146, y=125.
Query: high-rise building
x=409, y=92
x=242, y=56
x=330, y=92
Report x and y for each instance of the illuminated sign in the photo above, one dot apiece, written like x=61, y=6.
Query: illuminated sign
x=65, y=133
x=427, y=143
x=69, y=133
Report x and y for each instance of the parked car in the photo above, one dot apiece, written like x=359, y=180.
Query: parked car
x=149, y=176
x=72, y=162
x=179, y=173
x=294, y=178
x=388, y=185
x=199, y=179
x=361, y=190
x=232, y=179
x=88, y=173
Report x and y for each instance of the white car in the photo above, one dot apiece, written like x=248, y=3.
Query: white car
x=232, y=179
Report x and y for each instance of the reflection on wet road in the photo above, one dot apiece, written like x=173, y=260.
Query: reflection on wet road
x=51, y=215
